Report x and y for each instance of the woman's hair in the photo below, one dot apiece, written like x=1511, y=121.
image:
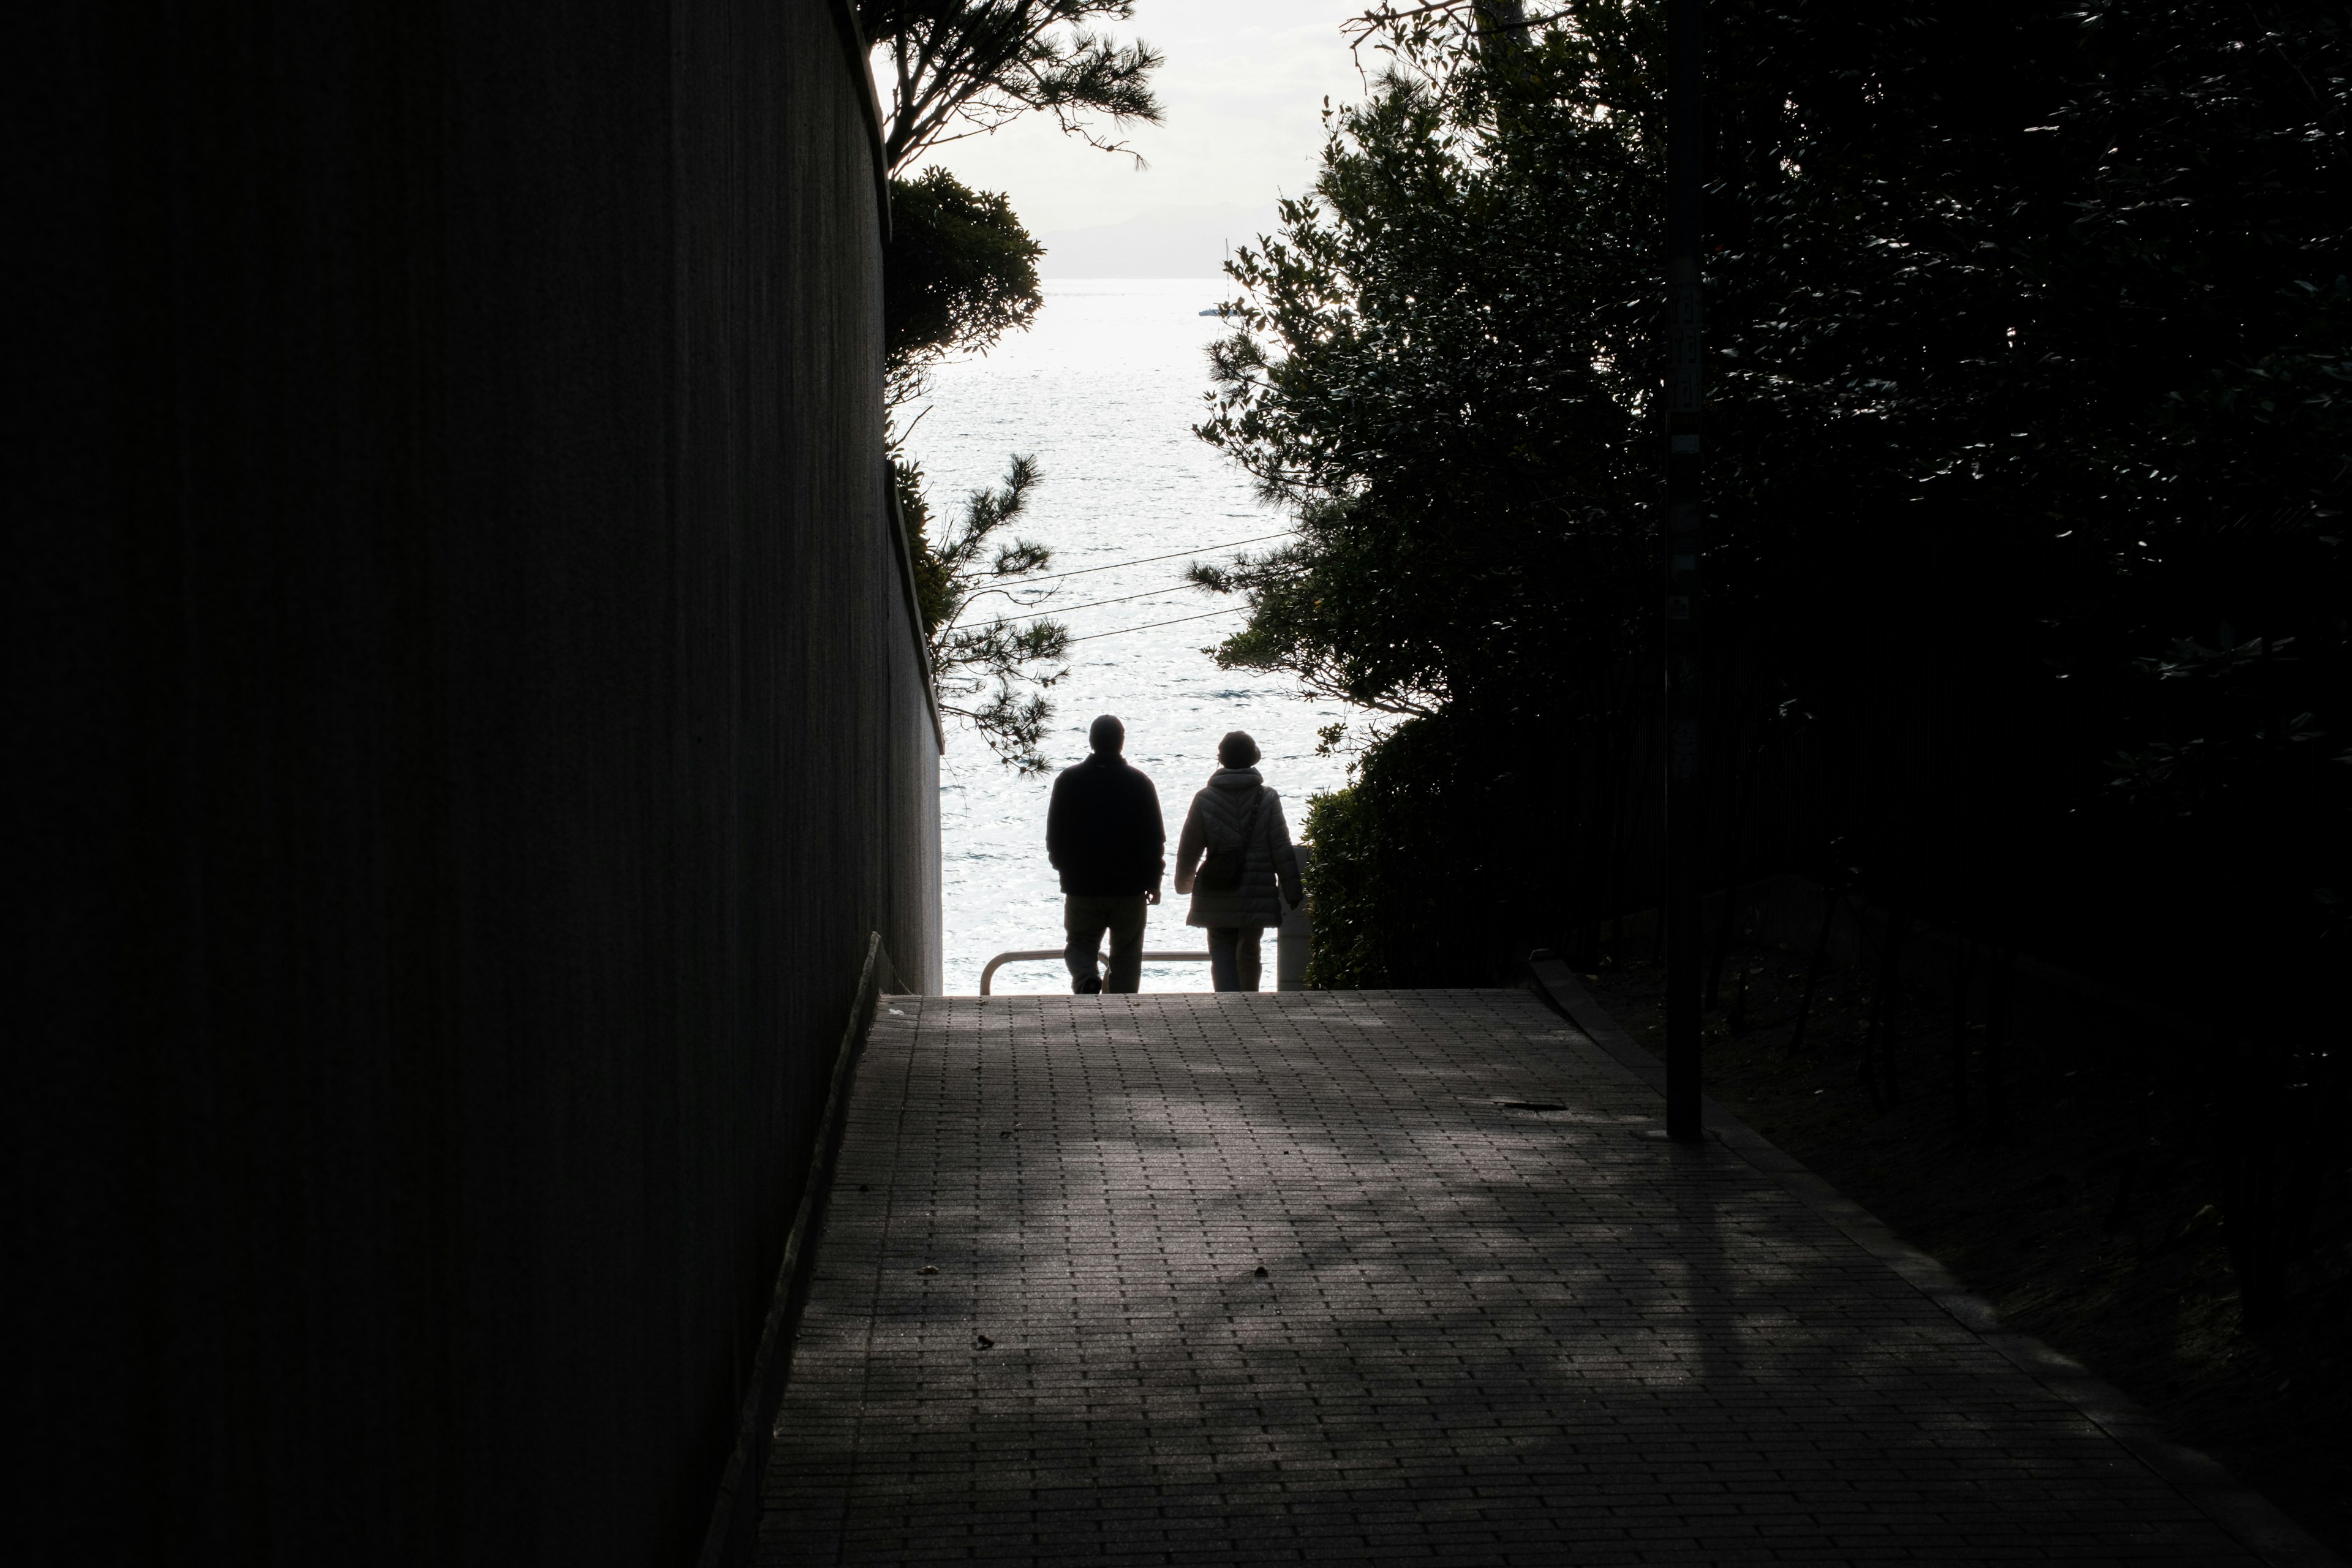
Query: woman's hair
x=1237, y=750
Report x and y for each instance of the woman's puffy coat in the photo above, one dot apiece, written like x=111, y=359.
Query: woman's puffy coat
x=1215, y=821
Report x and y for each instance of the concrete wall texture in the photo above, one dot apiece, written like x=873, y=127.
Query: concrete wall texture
x=466, y=723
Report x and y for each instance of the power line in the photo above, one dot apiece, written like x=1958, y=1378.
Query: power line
x=1228, y=610
x=1146, y=559
x=1042, y=608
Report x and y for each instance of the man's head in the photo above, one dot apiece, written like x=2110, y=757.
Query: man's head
x=1106, y=735
x=1237, y=751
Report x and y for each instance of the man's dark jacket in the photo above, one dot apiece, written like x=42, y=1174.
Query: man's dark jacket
x=1103, y=831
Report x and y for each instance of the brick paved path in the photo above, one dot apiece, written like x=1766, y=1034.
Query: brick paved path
x=1486, y=1331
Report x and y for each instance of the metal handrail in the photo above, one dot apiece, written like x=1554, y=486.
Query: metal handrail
x=1027, y=953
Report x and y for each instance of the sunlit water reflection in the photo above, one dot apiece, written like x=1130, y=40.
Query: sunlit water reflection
x=1104, y=391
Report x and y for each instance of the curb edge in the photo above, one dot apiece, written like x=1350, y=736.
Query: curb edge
x=2242, y=1514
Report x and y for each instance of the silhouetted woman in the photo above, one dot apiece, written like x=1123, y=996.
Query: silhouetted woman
x=1234, y=859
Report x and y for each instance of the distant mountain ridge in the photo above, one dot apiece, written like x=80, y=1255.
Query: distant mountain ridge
x=1166, y=242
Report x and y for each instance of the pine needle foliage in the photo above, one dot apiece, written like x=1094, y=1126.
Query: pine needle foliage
x=958, y=69
x=990, y=670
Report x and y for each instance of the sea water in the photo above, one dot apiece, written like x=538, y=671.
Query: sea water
x=1104, y=390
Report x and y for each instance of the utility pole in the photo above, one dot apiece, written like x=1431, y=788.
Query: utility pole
x=1685, y=808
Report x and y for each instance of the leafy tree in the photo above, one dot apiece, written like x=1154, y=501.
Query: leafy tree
x=1442, y=365
x=2030, y=304
x=2029, y=346
x=1468, y=483
x=961, y=272
x=2061, y=289
x=967, y=68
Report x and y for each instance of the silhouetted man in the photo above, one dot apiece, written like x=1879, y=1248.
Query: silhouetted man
x=1104, y=834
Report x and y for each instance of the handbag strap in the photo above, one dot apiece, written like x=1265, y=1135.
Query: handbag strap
x=1249, y=823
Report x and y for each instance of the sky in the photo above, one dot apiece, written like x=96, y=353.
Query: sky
x=1243, y=90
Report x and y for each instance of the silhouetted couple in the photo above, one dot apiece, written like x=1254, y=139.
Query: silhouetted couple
x=1104, y=834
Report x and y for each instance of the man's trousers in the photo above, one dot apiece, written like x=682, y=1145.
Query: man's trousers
x=1085, y=917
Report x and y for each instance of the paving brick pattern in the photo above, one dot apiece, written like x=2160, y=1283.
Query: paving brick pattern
x=1500, y=1319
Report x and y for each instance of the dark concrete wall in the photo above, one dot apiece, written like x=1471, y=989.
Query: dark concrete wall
x=464, y=725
